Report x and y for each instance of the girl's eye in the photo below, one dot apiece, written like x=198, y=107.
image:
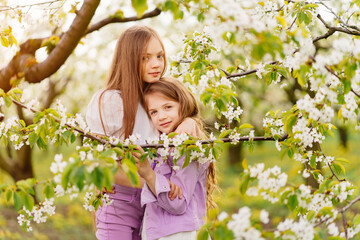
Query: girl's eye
x=145, y=58
x=152, y=113
x=168, y=107
x=160, y=56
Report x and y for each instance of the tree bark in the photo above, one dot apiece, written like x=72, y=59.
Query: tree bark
x=35, y=72
x=19, y=167
x=236, y=154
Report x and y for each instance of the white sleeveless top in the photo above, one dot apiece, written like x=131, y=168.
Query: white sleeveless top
x=112, y=116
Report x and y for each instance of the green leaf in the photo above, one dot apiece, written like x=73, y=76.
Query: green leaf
x=206, y=97
x=32, y=139
x=28, y=201
x=246, y=125
x=9, y=195
x=140, y=6
x=356, y=220
x=313, y=161
x=220, y=105
x=97, y=177
x=244, y=164
x=66, y=176
x=7, y=100
x=339, y=168
x=187, y=158
x=109, y=177
x=344, y=160
x=80, y=177
x=41, y=143
x=225, y=133
x=292, y=202
x=49, y=191
x=244, y=183
x=18, y=201
x=72, y=138
x=347, y=86
x=172, y=134
x=203, y=234
x=131, y=171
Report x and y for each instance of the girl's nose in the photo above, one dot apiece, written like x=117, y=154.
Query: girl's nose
x=162, y=115
x=155, y=63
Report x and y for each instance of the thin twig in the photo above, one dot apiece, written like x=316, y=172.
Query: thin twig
x=350, y=204
x=326, y=35
x=357, y=94
x=246, y=73
x=344, y=224
x=7, y=8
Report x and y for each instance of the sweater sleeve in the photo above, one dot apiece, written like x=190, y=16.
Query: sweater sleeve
x=105, y=117
x=186, y=178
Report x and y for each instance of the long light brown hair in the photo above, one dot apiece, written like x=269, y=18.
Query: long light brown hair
x=126, y=72
x=176, y=91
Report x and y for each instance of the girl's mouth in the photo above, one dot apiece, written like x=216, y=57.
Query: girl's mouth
x=165, y=124
x=155, y=74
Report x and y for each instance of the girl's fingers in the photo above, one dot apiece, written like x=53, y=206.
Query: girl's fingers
x=180, y=194
x=172, y=189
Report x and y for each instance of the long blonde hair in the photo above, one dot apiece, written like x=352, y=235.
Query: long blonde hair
x=175, y=90
x=126, y=72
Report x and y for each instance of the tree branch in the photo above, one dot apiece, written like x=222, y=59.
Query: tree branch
x=338, y=29
x=68, y=41
x=88, y=135
x=324, y=36
x=67, y=44
x=106, y=21
x=244, y=73
x=350, y=204
x=57, y=57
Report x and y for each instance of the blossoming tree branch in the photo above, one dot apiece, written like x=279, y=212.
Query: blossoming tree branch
x=305, y=50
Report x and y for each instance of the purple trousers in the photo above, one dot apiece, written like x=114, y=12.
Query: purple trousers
x=122, y=219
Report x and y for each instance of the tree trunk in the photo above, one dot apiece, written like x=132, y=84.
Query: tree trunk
x=22, y=167
x=343, y=135
x=236, y=154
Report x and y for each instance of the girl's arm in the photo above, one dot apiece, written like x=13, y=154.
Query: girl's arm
x=146, y=172
x=186, y=178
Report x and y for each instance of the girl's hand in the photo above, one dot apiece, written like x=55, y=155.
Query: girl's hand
x=146, y=172
x=175, y=191
x=144, y=168
x=188, y=126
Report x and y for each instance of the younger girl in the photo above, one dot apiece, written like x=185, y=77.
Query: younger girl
x=168, y=102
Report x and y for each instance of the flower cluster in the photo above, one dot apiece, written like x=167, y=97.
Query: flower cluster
x=38, y=214
x=232, y=113
x=240, y=224
x=302, y=229
x=269, y=180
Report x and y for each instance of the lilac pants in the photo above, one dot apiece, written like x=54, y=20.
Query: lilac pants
x=122, y=219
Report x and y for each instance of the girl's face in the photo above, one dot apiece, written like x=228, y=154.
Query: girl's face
x=153, y=60
x=163, y=111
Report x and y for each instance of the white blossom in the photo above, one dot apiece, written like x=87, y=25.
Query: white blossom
x=264, y=216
